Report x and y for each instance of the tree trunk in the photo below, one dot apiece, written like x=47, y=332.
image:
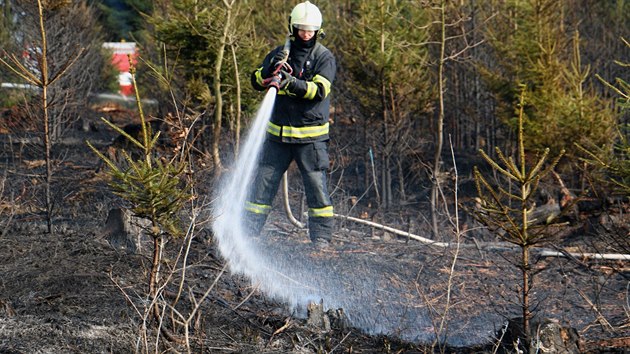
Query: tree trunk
x=47, y=142
x=237, y=137
x=526, y=310
x=154, y=275
x=385, y=182
x=439, y=128
x=401, y=180
x=154, y=267
x=366, y=158
x=218, y=111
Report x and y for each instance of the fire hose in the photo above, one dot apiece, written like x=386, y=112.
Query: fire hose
x=274, y=81
x=559, y=252
x=287, y=206
x=297, y=223
x=282, y=66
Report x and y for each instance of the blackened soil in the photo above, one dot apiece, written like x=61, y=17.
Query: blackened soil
x=70, y=291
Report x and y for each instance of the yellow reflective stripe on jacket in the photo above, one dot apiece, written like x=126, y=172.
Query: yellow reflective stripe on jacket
x=311, y=90
x=259, y=78
x=318, y=79
x=273, y=129
x=325, y=212
x=298, y=132
x=257, y=208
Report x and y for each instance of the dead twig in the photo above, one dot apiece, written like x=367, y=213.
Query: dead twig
x=254, y=289
x=287, y=324
x=600, y=318
x=340, y=342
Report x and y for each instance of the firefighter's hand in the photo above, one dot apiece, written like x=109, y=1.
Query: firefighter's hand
x=279, y=57
x=273, y=64
x=287, y=80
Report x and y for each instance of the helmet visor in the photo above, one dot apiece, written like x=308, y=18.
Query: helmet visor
x=306, y=27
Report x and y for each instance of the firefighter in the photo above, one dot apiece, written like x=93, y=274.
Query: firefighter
x=298, y=126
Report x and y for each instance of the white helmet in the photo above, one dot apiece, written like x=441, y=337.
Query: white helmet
x=306, y=16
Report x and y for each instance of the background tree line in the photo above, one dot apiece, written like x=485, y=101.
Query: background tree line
x=421, y=85
x=415, y=77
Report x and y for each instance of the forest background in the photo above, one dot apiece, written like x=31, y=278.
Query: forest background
x=422, y=87
x=415, y=78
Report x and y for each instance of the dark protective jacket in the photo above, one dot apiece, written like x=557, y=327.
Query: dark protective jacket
x=301, y=110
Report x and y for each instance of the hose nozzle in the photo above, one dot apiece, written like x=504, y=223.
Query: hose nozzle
x=276, y=78
x=275, y=82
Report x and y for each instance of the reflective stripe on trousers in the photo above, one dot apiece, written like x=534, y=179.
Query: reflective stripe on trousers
x=313, y=162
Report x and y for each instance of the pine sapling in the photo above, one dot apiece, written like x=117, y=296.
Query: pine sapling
x=507, y=207
x=153, y=188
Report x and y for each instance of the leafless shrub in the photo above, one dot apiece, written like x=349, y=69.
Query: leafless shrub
x=71, y=28
x=48, y=32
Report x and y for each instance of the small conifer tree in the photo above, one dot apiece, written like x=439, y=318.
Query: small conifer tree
x=614, y=159
x=507, y=207
x=153, y=188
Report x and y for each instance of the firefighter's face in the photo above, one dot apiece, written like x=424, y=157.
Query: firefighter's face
x=306, y=35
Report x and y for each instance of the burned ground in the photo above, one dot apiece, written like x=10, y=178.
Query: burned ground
x=72, y=292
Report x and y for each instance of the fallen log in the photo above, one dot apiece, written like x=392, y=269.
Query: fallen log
x=545, y=214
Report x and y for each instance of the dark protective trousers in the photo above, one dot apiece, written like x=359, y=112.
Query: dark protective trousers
x=313, y=162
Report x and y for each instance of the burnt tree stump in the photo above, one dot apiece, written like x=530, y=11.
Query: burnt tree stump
x=317, y=318
x=126, y=232
x=325, y=321
x=553, y=338
x=547, y=336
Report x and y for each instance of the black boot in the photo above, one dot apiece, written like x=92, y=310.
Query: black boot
x=320, y=230
x=254, y=223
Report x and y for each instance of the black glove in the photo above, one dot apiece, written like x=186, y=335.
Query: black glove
x=273, y=63
x=287, y=80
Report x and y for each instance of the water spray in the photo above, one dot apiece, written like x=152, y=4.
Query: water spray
x=233, y=241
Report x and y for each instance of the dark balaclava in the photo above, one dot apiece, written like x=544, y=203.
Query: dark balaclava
x=299, y=43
